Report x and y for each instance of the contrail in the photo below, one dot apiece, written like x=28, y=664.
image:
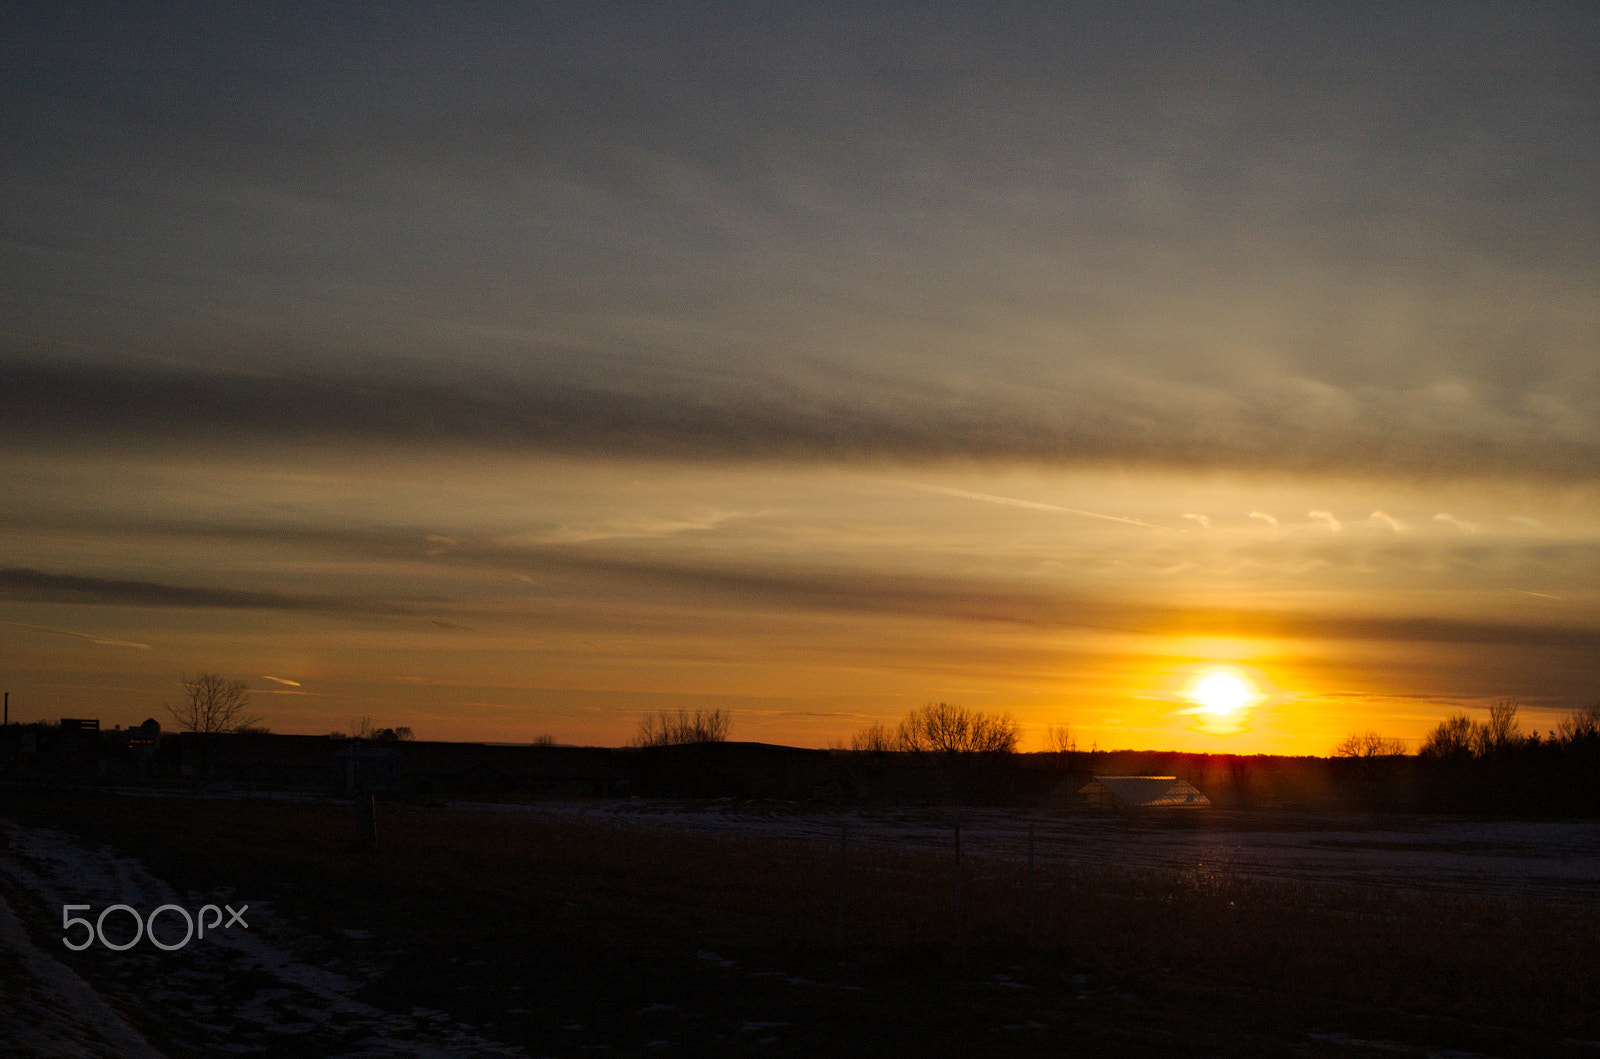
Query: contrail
x=1031, y=505
x=103, y=641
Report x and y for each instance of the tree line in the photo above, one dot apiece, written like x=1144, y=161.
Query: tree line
x=1487, y=765
x=1460, y=737
x=943, y=728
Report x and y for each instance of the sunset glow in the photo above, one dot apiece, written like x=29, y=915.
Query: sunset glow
x=1222, y=692
x=805, y=368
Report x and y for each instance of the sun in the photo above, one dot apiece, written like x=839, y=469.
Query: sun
x=1221, y=691
x=1223, y=698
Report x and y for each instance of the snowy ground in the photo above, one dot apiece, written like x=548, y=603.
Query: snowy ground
x=237, y=992
x=247, y=992
x=1542, y=860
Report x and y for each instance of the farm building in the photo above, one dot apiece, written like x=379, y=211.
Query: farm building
x=1143, y=792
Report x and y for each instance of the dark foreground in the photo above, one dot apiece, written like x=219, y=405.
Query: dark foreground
x=483, y=933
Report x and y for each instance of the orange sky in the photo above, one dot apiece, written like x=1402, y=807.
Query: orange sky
x=504, y=371
x=537, y=595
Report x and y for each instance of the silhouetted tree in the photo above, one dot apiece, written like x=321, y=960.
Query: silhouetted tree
x=1368, y=744
x=365, y=728
x=211, y=704
x=1581, y=726
x=1059, y=739
x=942, y=728
x=1453, y=737
x=1500, y=731
x=875, y=737
x=665, y=728
x=1460, y=736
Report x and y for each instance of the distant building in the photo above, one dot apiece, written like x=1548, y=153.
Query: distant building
x=370, y=768
x=1143, y=792
x=145, y=737
x=80, y=734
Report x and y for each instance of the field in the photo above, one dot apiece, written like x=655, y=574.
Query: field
x=630, y=928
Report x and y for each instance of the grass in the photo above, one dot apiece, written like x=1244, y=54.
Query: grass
x=640, y=936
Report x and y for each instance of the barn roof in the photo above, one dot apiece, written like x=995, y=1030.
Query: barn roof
x=1143, y=791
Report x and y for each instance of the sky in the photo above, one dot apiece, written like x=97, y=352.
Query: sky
x=504, y=370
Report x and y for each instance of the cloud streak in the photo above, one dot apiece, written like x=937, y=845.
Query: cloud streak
x=103, y=641
x=21, y=584
x=1327, y=519
x=854, y=591
x=1459, y=523
x=1032, y=505
x=753, y=418
x=1387, y=520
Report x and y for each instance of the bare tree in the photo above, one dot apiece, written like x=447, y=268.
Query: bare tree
x=1456, y=736
x=1500, y=730
x=1580, y=726
x=211, y=704
x=876, y=738
x=665, y=728
x=1059, y=740
x=365, y=728
x=1369, y=744
x=942, y=728
x=1461, y=736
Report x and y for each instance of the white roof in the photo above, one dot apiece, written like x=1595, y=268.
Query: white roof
x=1147, y=790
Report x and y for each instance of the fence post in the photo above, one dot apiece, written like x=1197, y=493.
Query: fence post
x=838, y=919
x=958, y=886
x=1032, y=889
x=366, y=821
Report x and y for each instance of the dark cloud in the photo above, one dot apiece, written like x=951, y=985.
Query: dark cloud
x=861, y=591
x=781, y=419
x=1346, y=627
x=946, y=598
x=24, y=585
